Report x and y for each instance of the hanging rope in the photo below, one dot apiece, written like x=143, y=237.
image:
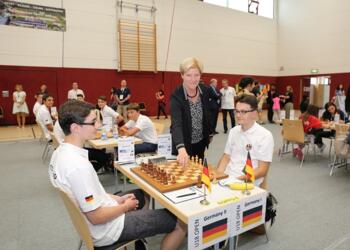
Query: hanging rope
x=170, y=34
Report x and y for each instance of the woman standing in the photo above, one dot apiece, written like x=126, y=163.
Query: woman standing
x=288, y=101
x=20, y=108
x=189, y=105
x=161, y=103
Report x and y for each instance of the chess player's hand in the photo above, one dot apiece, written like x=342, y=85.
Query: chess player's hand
x=182, y=157
x=131, y=204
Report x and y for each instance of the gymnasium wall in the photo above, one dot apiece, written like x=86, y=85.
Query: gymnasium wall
x=313, y=34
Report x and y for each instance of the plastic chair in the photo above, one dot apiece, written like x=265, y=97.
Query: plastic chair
x=80, y=224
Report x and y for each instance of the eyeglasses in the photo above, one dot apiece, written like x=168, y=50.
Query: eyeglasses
x=93, y=123
x=243, y=112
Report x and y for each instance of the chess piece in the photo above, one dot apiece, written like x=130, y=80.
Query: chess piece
x=200, y=162
x=173, y=179
x=199, y=181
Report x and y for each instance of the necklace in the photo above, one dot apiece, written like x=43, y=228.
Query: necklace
x=193, y=95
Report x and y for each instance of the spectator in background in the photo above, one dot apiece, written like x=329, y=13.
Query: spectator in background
x=276, y=108
x=288, y=100
x=39, y=101
x=44, y=117
x=214, y=103
x=80, y=97
x=43, y=89
x=228, y=95
x=347, y=102
x=304, y=103
x=256, y=88
x=20, y=108
x=269, y=102
x=340, y=98
x=113, y=103
x=123, y=96
x=246, y=86
x=72, y=94
x=161, y=103
x=190, y=121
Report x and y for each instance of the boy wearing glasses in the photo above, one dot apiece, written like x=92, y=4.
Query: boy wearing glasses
x=247, y=133
x=110, y=218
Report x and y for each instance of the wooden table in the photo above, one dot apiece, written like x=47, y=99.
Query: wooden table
x=109, y=143
x=185, y=210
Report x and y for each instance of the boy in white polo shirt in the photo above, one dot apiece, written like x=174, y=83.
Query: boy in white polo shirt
x=107, y=112
x=44, y=117
x=247, y=133
x=111, y=219
x=142, y=127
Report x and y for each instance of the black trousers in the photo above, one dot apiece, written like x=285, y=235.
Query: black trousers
x=214, y=113
x=224, y=118
x=197, y=149
x=270, y=113
x=161, y=108
x=317, y=132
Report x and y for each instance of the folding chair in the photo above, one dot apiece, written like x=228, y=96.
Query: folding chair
x=82, y=228
x=339, y=160
x=293, y=133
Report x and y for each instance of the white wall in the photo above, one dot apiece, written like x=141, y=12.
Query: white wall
x=227, y=41
x=313, y=34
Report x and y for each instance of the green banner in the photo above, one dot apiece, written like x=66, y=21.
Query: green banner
x=32, y=16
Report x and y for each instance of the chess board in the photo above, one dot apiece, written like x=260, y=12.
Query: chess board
x=171, y=176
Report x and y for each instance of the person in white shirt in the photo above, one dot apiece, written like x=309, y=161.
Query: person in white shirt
x=108, y=114
x=58, y=132
x=44, y=116
x=141, y=127
x=72, y=94
x=38, y=103
x=247, y=133
x=227, y=104
x=111, y=219
x=20, y=108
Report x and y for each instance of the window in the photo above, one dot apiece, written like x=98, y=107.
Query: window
x=258, y=7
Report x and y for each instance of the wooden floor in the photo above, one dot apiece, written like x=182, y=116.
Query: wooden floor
x=29, y=132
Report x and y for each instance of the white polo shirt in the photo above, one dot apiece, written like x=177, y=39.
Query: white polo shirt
x=147, y=131
x=36, y=108
x=109, y=112
x=262, y=149
x=72, y=94
x=44, y=118
x=71, y=171
x=58, y=132
x=227, y=98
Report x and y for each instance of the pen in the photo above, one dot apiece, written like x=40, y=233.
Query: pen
x=184, y=195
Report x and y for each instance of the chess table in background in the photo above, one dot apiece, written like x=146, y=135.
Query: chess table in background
x=170, y=176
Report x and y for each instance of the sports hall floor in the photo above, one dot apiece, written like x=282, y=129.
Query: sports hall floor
x=313, y=210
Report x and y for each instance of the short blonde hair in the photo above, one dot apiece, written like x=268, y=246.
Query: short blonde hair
x=191, y=63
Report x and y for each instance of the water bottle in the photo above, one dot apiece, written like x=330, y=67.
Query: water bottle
x=115, y=132
x=104, y=135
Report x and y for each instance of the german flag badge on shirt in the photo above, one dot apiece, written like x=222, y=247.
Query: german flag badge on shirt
x=89, y=199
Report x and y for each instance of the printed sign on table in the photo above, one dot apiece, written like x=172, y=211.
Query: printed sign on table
x=249, y=213
x=208, y=229
x=126, y=149
x=283, y=115
x=292, y=114
x=164, y=145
